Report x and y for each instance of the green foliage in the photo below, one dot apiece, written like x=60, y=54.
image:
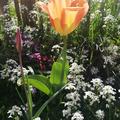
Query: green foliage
x=55, y=77
x=46, y=85
x=40, y=82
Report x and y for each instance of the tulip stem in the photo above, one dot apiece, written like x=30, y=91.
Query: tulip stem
x=64, y=54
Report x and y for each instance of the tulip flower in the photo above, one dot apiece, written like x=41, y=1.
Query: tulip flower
x=65, y=15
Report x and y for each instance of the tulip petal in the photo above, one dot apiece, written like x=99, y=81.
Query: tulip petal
x=56, y=24
x=65, y=15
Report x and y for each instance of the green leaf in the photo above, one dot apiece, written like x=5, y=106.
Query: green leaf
x=56, y=73
x=40, y=110
x=40, y=82
x=66, y=65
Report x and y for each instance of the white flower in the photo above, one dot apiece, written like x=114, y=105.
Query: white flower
x=67, y=112
x=97, y=83
x=76, y=69
x=74, y=96
x=110, y=80
x=38, y=118
x=108, y=93
x=100, y=114
x=109, y=18
x=94, y=70
x=15, y=110
x=119, y=90
x=77, y=116
x=70, y=86
x=89, y=95
x=12, y=71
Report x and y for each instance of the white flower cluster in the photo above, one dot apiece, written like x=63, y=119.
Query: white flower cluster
x=15, y=111
x=56, y=48
x=97, y=84
x=76, y=69
x=111, y=54
x=110, y=80
x=77, y=116
x=10, y=25
x=109, y=18
x=108, y=93
x=73, y=97
x=94, y=70
x=89, y=95
x=100, y=114
x=33, y=16
x=73, y=100
x=94, y=15
x=99, y=90
x=12, y=71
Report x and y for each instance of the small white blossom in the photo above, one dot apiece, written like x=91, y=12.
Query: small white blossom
x=70, y=86
x=14, y=111
x=38, y=118
x=100, y=114
x=108, y=93
x=66, y=112
x=77, y=116
x=94, y=70
x=89, y=95
x=110, y=80
x=97, y=83
x=76, y=69
x=74, y=96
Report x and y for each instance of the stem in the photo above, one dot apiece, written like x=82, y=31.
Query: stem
x=64, y=54
x=109, y=111
x=26, y=88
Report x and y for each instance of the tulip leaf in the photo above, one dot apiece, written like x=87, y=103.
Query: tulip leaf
x=40, y=82
x=56, y=73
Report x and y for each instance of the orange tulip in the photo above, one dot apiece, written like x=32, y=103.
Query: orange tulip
x=65, y=15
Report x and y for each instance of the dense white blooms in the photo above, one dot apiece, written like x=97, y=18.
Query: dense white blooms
x=12, y=71
x=97, y=84
x=109, y=18
x=100, y=114
x=14, y=111
x=108, y=59
x=108, y=93
x=67, y=112
x=77, y=116
x=76, y=69
x=91, y=97
x=73, y=97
